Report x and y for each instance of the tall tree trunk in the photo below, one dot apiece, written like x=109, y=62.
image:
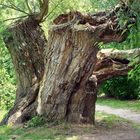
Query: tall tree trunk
x=26, y=43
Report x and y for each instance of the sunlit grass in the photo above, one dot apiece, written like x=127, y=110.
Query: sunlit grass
x=39, y=133
x=133, y=105
x=109, y=120
x=62, y=131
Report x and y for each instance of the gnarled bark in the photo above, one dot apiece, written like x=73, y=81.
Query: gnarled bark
x=26, y=43
x=66, y=91
x=111, y=63
x=71, y=56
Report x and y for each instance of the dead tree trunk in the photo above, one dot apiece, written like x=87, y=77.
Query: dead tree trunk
x=69, y=64
x=71, y=56
x=26, y=43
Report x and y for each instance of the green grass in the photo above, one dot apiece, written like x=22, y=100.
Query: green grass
x=109, y=120
x=133, y=105
x=35, y=133
x=61, y=131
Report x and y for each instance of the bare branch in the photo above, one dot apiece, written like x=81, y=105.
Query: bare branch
x=112, y=63
x=53, y=10
x=14, y=18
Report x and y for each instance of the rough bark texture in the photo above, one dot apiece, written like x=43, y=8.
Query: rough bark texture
x=112, y=63
x=71, y=58
x=26, y=43
x=122, y=55
x=66, y=92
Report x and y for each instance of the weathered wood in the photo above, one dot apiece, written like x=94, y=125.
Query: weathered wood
x=70, y=60
x=131, y=54
x=112, y=62
x=26, y=43
x=66, y=93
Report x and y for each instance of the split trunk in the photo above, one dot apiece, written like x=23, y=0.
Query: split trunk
x=53, y=78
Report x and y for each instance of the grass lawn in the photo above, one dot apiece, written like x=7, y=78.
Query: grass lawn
x=133, y=105
x=109, y=120
x=65, y=131
x=61, y=131
x=38, y=133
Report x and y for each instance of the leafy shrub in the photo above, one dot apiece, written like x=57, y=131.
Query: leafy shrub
x=7, y=79
x=134, y=75
x=36, y=121
x=122, y=87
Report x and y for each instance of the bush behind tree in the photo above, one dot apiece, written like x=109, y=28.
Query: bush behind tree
x=122, y=87
x=7, y=79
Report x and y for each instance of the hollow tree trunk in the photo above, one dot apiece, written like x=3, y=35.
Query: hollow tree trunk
x=26, y=43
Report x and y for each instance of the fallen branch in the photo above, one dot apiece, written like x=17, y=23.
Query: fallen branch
x=112, y=63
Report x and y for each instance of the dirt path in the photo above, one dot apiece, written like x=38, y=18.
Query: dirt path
x=123, y=113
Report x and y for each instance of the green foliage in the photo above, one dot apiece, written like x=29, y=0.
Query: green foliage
x=133, y=39
x=134, y=75
x=36, y=121
x=7, y=79
x=121, y=88
x=2, y=114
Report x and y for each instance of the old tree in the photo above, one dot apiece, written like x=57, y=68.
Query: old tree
x=58, y=77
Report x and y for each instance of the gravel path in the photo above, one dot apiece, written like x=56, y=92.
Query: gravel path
x=123, y=113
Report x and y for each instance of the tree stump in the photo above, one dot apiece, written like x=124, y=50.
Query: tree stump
x=66, y=92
